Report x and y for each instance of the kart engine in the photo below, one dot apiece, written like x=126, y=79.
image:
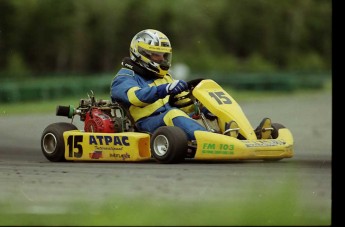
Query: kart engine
x=98, y=116
x=97, y=120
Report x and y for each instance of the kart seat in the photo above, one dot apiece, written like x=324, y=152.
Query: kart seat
x=128, y=115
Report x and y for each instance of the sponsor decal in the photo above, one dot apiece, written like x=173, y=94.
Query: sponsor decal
x=263, y=143
x=122, y=156
x=96, y=155
x=109, y=148
x=128, y=66
x=101, y=143
x=109, y=140
x=211, y=148
x=157, y=48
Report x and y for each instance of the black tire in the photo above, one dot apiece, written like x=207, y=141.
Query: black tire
x=275, y=132
x=52, y=142
x=169, y=144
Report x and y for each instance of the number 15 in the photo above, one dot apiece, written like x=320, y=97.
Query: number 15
x=220, y=97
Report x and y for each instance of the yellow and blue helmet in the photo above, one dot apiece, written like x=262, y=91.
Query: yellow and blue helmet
x=152, y=50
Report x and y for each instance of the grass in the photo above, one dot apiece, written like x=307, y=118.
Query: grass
x=282, y=208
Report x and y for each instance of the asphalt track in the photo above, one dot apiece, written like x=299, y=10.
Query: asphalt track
x=40, y=186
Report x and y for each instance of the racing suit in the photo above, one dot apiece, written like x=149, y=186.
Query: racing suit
x=137, y=89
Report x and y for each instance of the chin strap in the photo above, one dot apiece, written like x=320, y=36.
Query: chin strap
x=130, y=64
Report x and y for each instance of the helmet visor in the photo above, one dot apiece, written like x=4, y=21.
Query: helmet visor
x=155, y=56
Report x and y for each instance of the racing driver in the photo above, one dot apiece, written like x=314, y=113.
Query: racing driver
x=143, y=85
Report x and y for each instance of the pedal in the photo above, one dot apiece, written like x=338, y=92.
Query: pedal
x=231, y=129
x=264, y=130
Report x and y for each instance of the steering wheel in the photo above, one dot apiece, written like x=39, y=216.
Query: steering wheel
x=175, y=100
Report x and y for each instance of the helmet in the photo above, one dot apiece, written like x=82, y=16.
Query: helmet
x=152, y=50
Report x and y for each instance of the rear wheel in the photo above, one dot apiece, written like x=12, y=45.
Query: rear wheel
x=52, y=142
x=169, y=144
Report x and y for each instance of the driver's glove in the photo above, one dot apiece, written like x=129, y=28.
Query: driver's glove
x=173, y=88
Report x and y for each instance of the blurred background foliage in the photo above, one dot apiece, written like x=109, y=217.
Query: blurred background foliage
x=228, y=35
x=41, y=38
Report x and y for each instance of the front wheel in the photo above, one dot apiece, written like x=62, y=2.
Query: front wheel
x=52, y=141
x=275, y=134
x=169, y=144
x=275, y=131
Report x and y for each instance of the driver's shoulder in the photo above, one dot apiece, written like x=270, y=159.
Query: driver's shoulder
x=125, y=72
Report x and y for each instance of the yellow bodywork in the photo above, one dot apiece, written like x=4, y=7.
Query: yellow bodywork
x=221, y=104
x=211, y=146
x=135, y=146
x=86, y=146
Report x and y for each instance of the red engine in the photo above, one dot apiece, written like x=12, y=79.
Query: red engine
x=97, y=120
x=98, y=116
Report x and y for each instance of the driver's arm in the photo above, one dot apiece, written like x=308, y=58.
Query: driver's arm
x=127, y=90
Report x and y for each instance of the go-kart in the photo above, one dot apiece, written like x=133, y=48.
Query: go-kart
x=110, y=134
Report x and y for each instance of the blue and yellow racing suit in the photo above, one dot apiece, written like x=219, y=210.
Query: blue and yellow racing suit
x=139, y=95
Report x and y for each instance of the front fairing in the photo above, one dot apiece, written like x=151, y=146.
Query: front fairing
x=221, y=104
x=212, y=146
